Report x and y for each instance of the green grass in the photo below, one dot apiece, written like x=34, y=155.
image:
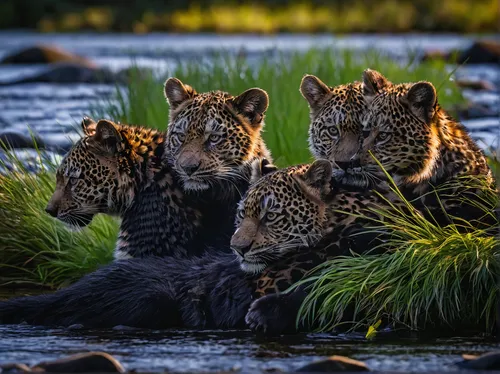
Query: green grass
x=36, y=249
x=427, y=276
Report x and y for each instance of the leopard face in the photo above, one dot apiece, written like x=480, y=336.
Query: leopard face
x=212, y=136
x=401, y=135
x=283, y=211
x=97, y=174
x=335, y=131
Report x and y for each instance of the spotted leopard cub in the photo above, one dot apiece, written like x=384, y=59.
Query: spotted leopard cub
x=428, y=153
x=175, y=193
x=292, y=220
x=335, y=131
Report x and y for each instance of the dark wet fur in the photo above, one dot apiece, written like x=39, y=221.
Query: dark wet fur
x=210, y=291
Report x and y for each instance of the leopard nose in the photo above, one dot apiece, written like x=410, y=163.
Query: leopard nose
x=241, y=249
x=191, y=168
x=52, y=210
x=343, y=164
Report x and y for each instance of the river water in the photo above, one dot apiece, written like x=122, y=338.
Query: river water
x=52, y=110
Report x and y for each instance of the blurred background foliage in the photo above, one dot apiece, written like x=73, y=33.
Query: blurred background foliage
x=272, y=16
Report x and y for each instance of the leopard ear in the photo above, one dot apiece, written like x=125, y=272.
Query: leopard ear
x=88, y=126
x=177, y=92
x=252, y=104
x=107, y=139
x=319, y=175
x=374, y=83
x=261, y=167
x=421, y=99
x=314, y=91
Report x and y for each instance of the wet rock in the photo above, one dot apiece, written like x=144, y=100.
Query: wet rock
x=68, y=73
x=71, y=73
x=487, y=361
x=475, y=85
x=474, y=110
x=480, y=52
x=334, y=364
x=89, y=362
x=13, y=139
x=14, y=368
x=45, y=54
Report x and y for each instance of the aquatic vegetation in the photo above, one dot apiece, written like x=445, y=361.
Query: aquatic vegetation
x=428, y=276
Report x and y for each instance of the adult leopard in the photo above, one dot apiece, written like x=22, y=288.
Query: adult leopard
x=289, y=221
x=175, y=193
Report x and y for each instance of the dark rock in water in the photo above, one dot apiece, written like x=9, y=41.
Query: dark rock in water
x=334, y=364
x=90, y=362
x=45, y=54
x=480, y=52
x=17, y=140
x=487, y=361
x=474, y=110
x=75, y=73
x=14, y=368
x=475, y=85
x=72, y=73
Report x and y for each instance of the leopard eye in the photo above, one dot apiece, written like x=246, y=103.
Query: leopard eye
x=332, y=131
x=178, y=137
x=73, y=181
x=383, y=137
x=271, y=216
x=240, y=214
x=214, y=138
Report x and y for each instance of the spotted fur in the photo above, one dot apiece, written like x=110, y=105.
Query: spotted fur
x=215, y=290
x=142, y=175
x=422, y=148
x=292, y=220
x=295, y=218
x=335, y=117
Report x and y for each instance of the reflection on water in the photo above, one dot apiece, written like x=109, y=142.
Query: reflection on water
x=187, y=350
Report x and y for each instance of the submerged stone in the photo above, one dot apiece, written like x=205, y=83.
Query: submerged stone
x=334, y=364
x=487, y=361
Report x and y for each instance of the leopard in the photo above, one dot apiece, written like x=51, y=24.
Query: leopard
x=175, y=191
x=429, y=155
x=335, y=131
x=341, y=122
x=288, y=221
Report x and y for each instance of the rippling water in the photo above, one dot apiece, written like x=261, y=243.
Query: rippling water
x=53, y=110
x=187, y=350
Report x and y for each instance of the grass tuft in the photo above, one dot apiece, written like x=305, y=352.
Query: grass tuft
x=36, y=249
x=427, y=276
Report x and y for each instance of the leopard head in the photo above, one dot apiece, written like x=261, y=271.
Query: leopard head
x=335, y=131
x=99, y=174
x=213, y=137
x=401, y=134
x=283, y=211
